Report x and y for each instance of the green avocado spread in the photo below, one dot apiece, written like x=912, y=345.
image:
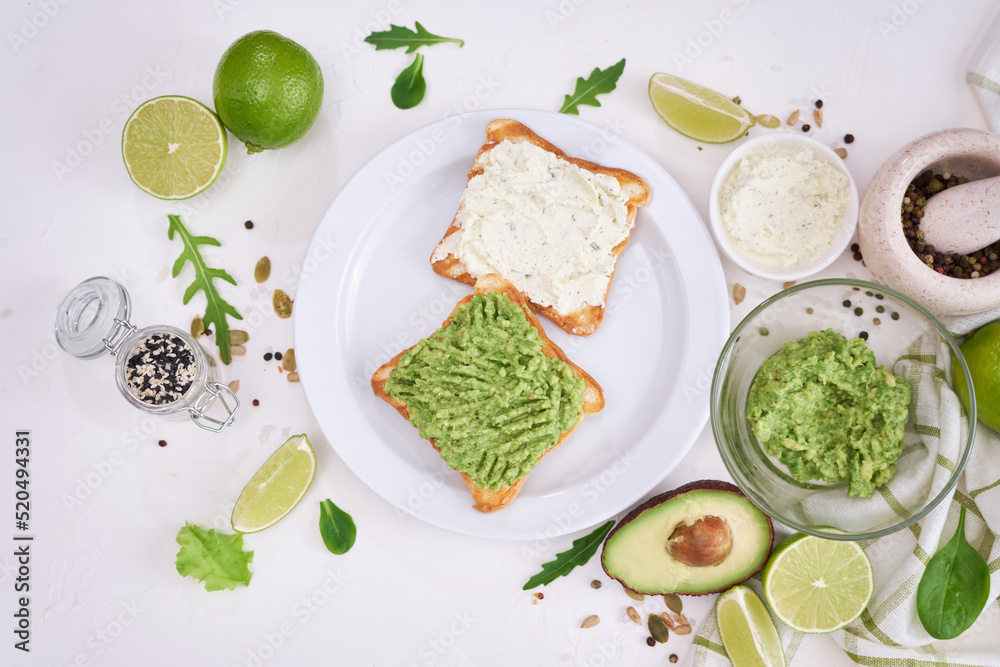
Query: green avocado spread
x=484, y=391
x=826, y=411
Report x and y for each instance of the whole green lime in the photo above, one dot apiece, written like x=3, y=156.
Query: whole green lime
x=982, y=354
x=268, y=90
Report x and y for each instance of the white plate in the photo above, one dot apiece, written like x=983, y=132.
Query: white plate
x=367, y=291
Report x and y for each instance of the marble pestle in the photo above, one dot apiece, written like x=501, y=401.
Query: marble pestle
x=963, y=218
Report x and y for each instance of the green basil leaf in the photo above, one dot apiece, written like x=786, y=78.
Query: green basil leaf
x=337, y=528
x=598, y=83
x=410, y=86
x=399, y=37
x=578, y=554
x=954, y=588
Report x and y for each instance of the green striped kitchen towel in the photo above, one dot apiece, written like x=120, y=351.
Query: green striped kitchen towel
x=889, y=633
x=984, y=73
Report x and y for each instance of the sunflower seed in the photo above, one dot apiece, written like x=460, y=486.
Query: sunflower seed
x=293, y=376
x=657, y=628
x=634, y=615
x=674, y=602
x=788, y=284
x=590, y=621
x=288, y=360
x=262, y=270
x=237, y=350
x=683, y=629
x=681, y=619
x=818, y=117
x=238, y=336
x=235, y=386
x=793, y=118
x=282, y=304
x=667, y=621
x=197, y=327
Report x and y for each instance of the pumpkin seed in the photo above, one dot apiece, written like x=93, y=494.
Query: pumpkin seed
x=683, y=629
x=237, y=350
x=634, y=615
x=793, y=118
x=293, y=376
x=674, y=602
x=288, y=360
x=282, y=304
x=238, y=336
x=262, y=270
x=739, y=292
x=667, y=621
x=197, y=327
x=590, y=621
x=657, y=628
x=635, y=596
x=681, y=619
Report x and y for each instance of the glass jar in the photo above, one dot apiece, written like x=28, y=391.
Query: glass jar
x=160, y=369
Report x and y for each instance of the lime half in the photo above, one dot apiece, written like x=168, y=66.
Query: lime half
x=816, y=585
x=748, y=633
x=696, y=111
x=277, y=487
x=174, y=147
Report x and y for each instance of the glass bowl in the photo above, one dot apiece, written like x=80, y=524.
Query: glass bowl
x=910, y=342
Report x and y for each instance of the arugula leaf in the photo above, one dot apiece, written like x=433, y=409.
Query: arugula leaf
x=216, y=308
x=954, y=588
x=578, y=554
x=598, y=83
x=398, y=37
x=337, y=528
x=215, y=559
x=410, y=86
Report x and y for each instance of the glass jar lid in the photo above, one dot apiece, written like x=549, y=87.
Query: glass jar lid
x=93, y=317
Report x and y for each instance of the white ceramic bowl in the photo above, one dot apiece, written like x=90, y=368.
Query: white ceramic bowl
x=770, y=142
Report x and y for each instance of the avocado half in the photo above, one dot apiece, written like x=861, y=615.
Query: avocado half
x=700, y=538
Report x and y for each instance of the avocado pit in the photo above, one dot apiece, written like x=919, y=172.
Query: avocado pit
x=704, y=543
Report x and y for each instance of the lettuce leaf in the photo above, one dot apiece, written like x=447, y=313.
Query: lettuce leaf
x=215, y=559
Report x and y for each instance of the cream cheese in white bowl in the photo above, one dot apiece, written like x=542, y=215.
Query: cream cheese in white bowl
x=783, y=206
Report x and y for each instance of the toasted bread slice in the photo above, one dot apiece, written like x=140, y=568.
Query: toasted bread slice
x=487, y=500
x=585, y=319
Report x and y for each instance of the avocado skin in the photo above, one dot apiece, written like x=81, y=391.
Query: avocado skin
x=659, y=499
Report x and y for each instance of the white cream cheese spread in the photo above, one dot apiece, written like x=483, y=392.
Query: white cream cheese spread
x=783, y=207
x=543, y=223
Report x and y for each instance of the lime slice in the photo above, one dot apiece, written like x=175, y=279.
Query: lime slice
x=696, y=111
x=173, y=147
x=817, y=585
x=277, y=487
x=748, y=633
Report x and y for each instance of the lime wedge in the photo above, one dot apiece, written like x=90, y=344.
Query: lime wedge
x=277, y=487
x=748, y=633
x=696, y=111
x=817, y=585
x=173, y=147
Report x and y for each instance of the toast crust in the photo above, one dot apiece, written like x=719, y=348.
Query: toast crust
x=583, y=321
x=487, y=500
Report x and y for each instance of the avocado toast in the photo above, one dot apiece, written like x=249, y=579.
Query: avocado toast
x=490, y=391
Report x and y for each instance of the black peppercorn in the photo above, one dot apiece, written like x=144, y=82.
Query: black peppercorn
x=848, y=138
x=806, y=127
x=267, y=356
x=248, y=224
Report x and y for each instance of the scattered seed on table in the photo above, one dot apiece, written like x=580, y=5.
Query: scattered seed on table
x=207, y=332
x=595, y=584
x=162, y=443
x=248, y=224
x=847, y=303
x=237, y=350
x=876, y=321
x=590, y=621
x=894, y=315
x=235, y=386
x=818, y=117
x=841, y=153
x=288, y=360
x=650, y=641
x=810, y=311
x=863, y=335
x=634, y=615
x=790, y=283
x=256, y=402
x=262, y=269
x=267, y=356
x=763, y=331
x=880, y=296
x=879, y=308
x=739, y=293
x=859, y=311
x=793, y=118
x=805, y=127
x=277, y=356
x=673, y=657
x=819, y=104
x=848, y=138
x=293, y=376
